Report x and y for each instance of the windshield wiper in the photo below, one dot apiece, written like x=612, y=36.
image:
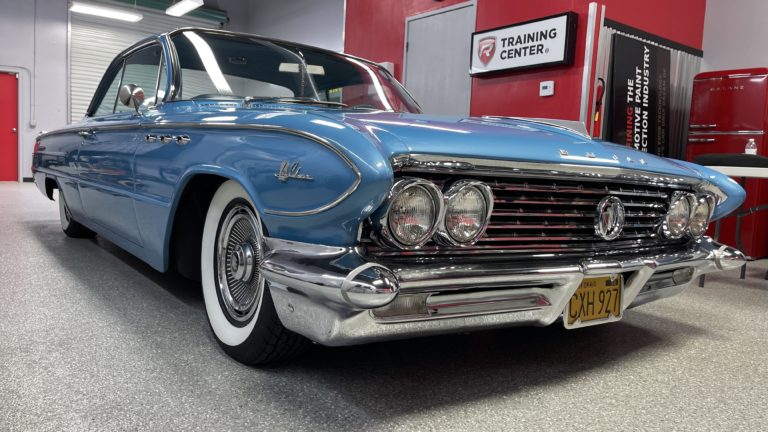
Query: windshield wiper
x=296, y=100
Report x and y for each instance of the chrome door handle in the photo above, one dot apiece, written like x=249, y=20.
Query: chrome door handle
x=86, y=134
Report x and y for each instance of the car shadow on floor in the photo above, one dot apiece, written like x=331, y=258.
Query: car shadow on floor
x=396, y=378
x=403, y=377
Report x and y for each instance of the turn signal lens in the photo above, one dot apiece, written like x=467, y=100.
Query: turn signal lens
x=702, y=211
x=678, y=217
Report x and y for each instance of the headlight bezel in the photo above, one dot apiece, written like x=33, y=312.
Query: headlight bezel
x=400, y=186
x=696, y=202
x=443, y=235
x=677, y=199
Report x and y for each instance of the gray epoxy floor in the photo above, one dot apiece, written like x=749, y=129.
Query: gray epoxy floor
x=93, y=339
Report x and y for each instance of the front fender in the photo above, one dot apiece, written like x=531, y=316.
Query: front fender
x=306, y=187
x=735, y=194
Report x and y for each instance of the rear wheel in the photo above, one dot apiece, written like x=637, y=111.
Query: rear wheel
x=237, y=301
x=71, y=227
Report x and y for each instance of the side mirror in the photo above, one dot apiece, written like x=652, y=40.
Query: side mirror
x=131, y=96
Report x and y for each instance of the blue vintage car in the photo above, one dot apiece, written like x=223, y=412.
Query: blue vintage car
x=314, y=202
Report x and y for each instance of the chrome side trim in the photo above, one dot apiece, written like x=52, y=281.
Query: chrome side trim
x=575, y=127
x=264, y=128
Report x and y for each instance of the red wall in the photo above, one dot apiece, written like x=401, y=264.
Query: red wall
x=375, y=29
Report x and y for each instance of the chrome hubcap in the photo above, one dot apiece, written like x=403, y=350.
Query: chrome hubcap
x=238, y=255
x=241, y=262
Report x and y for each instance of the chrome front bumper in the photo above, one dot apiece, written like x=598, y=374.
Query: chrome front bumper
x=335, y=296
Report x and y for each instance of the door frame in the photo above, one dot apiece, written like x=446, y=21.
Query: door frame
x=19, y=96
x=462, y=5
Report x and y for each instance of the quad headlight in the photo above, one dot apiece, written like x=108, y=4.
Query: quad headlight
x=411, y=214
x=468, y=207
x=416, y=211
x=701, y=212
x=688, y=214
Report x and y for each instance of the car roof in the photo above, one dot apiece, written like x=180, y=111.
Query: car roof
x=176, y=31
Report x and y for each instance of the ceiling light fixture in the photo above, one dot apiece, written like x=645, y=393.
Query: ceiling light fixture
x=106, y=11
x=182, y=7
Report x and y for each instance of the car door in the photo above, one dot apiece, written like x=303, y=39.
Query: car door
x=110, y=139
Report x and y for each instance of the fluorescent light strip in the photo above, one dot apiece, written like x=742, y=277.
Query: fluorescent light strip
x=182, y=7
x=106, y=12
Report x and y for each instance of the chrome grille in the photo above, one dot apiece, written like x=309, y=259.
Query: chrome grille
x=554, y=216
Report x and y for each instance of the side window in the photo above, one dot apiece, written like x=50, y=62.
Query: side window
x=142, y=68
x=107, y=105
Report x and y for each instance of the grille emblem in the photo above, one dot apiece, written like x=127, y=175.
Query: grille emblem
x=609, y=220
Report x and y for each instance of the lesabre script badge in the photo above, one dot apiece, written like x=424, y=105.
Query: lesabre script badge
x=486, y=47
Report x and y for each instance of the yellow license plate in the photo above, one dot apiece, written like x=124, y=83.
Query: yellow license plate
x=597, y=300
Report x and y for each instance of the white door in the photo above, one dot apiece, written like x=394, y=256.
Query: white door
x=437, y=60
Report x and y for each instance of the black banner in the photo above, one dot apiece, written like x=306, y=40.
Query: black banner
x=639, y=112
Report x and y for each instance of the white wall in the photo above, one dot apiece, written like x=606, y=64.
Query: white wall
x=735, y=34
x=46, y=44
x=312, y=22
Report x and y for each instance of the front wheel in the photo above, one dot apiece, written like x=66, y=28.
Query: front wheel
x=237, y=301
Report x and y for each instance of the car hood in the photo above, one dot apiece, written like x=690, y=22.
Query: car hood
x=502, y=139
x=522, y=140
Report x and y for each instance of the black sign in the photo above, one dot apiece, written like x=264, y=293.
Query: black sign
x=639, y=113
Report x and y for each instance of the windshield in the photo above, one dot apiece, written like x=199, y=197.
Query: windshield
x=222, y=65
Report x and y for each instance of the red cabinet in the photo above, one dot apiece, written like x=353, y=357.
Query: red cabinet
x=727, y=109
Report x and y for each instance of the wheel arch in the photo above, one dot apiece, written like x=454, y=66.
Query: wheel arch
x=187, y=216
x=50, y=185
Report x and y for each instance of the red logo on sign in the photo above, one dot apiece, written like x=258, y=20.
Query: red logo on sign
x=485, y=49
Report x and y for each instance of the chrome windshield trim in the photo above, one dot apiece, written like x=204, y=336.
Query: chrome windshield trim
x=575, y=127
x=175, y=82
x=506, y=168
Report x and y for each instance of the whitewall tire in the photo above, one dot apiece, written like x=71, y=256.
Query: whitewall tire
x=237, y=300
